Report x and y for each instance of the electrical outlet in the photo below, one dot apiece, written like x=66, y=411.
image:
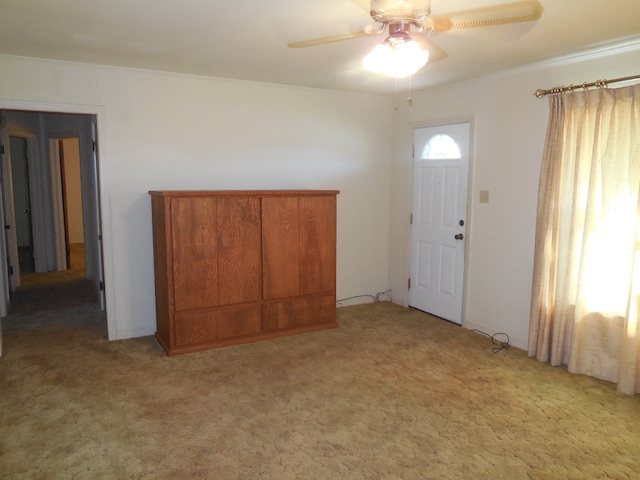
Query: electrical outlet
x=484, y=196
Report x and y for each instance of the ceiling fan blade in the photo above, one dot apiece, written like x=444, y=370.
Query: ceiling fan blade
x=435, y=52
x=363, y=4
x=485, y=17
x=333, y=38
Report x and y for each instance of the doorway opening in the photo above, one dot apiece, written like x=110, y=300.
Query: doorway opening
x=50, y=202
x=68, y=150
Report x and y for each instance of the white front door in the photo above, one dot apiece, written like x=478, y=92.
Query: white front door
x=439, y=219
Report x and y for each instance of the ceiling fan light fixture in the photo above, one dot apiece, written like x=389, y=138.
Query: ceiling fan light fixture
x=396, y=58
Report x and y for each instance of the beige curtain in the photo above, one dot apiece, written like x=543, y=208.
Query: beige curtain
x=586, y=280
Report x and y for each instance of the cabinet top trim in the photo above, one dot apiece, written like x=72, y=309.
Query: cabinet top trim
x=253, y=193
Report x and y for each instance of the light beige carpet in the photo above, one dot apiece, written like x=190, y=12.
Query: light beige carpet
x=391, y=394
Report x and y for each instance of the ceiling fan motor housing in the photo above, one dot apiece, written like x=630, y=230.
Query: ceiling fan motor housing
x=393, y=11
x=399, y=34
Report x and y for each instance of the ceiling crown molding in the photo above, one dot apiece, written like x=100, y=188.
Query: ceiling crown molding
x=628, y=45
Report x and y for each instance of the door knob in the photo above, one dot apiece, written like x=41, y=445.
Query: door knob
x=459, y=236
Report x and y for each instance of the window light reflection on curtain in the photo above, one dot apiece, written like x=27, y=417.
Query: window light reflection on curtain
x=606, y=258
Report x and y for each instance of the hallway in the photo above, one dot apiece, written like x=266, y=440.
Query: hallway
x=62, y=300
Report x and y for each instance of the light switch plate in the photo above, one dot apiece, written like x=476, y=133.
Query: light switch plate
x=484, y=196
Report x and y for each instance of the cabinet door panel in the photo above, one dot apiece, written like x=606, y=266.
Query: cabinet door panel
x=299, y=313
x=239, y=250
x=280, y=247
x=195, y=259
x=210, y=325
x=317, y=244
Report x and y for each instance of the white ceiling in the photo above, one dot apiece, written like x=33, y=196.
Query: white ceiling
x=247, y=39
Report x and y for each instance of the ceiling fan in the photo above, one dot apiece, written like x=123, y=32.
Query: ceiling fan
x=408, y=21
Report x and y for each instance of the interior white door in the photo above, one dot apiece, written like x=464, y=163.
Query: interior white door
x=438, y=230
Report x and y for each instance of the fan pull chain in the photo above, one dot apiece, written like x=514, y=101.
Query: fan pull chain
x=409, y=97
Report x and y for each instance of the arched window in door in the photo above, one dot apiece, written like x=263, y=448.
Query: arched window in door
x=441, y=147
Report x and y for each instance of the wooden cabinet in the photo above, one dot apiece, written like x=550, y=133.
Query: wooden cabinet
x=241, y=266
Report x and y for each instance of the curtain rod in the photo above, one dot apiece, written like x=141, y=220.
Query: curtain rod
x=598, y=83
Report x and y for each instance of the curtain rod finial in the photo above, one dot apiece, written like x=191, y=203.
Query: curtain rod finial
x=539, y=93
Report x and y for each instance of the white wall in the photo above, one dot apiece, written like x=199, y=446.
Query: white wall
x=166, y=131
x=508, y=130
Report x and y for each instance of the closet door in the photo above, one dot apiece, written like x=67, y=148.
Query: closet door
x=280, y=247
x=317, y=216
x=216, y=251
x=194, y=232
x=239, y=256
x=299, y=245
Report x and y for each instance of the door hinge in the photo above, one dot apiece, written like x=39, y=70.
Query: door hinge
x=93, y=145
x=411, y=219
x=409, y=283
x=101, y=284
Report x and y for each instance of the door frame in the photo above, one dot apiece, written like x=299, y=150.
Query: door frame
x=103, y=194
x=57, y=185
x=470, y=182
